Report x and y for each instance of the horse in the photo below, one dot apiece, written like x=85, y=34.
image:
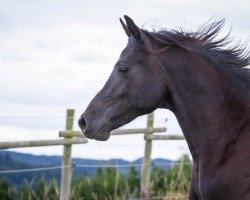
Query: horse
x=204, y=81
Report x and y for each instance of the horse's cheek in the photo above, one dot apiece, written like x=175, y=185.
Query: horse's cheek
x=143, y=99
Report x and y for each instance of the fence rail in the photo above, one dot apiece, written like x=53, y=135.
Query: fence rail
x=164, y=137
x=19, y=144
x=76, y=137
x=116, y=132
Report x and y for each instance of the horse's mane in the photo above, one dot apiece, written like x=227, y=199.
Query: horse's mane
x=230, y=59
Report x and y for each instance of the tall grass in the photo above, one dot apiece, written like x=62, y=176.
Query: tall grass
x=110, y=184
x=173, y=184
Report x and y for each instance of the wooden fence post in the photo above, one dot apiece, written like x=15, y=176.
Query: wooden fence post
x=66, y=174
x=145, y=170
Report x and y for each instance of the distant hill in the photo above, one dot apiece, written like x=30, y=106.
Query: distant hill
x=10, y=160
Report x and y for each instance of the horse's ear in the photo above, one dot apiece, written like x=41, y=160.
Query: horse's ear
x=125, y=28
x=141, y=36
x=133, y=29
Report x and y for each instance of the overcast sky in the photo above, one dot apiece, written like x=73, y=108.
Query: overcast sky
x=58, y=54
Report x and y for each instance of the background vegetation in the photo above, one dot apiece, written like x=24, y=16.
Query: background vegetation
x=109, y=183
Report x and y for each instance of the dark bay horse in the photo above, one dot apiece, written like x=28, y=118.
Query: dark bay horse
x=204, y=82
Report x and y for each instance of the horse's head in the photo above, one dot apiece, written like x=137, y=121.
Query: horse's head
x=134, y=87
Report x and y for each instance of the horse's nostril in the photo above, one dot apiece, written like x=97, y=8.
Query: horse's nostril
x=82, y=124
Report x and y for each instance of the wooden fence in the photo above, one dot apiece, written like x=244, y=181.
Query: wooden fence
x=71, y=137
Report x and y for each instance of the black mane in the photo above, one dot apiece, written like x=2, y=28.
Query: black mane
x=231, y=60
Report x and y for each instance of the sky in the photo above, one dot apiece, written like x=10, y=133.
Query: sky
x=58, y=54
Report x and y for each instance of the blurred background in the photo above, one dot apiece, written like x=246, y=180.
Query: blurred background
x=56, y=55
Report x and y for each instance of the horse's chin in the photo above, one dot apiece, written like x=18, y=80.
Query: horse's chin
x=99, y=136
x=102, y=136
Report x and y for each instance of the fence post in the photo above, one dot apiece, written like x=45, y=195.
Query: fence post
x=66, y=174
x=145, y=170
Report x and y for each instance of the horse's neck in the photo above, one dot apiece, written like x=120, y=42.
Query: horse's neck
x=204, y=104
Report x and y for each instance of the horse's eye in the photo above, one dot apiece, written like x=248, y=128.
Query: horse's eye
x=123, y=69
